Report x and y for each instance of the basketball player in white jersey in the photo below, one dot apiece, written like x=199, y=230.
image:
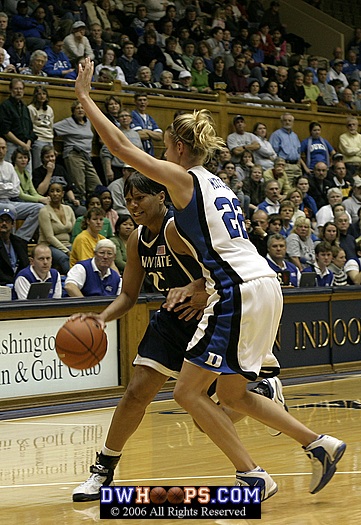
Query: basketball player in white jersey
x=230, y=337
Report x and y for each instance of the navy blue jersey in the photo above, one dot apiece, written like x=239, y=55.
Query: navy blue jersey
x=165, y=269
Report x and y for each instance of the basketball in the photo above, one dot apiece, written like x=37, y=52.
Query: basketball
x=175, y=495
x=158, y=495
x=81, y=344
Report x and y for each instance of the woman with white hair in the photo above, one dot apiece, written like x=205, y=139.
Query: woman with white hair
x=38, y=59
x=95, y=275
x=326, y=213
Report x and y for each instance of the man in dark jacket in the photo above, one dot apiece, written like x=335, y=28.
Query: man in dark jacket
x=13, y=249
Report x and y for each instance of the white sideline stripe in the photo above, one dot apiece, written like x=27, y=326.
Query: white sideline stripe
x=137, y=481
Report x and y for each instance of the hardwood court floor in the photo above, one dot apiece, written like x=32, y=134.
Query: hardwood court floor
x=43, y=458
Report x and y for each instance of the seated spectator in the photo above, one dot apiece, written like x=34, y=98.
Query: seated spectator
x=287, y=145
x=38, y=271
x=267, y=45
x=139, y=20
x=128, y=63
x=215, y=41
x=280, y=57
x=312, y=91
x=94, y=276
x=308, y=204
x=117, y=189
x=123, y=228
x=218, y=79
x=256, y=62
x=5, y=68
x=274, y=224
x=77, y=45
x=96, y=42
x=296, y=92
x=77, y=137
x=337, y=266
x=200, y=76
x=353, y=203
x=56, y=221
x=42, y=117
x=235, y=183
x=294, y=67
x=109, y=61
x=188, y=19
x=353, y=266
x=238, y=75
x=270, y=92
x=9, y=198
x=185, y=82
x=338, y=175
x=188, y=47
x=287, y=211
x=58, y=63
x=328, y=93
x=258, y=234
x=32, y=28
x=166, y=82
x=93, y=201
x=335, y=72
x=338, y=87
x=287, y=273
x=326, y=213
x=85, y=242
x=20, y=159
x=106, y=201
x=278, y=173
x=319, y=184
x=253, y=93
x=281, y=77
x=265, y=155
x=13, y=249
x=50, y=171
x=329, y=232
x=271, y=204
x=144, y=78
x=347, y=241
x=253, y=187
x=38, y=60
x=323, y=255
x=347, y=100
x=300, y=248
x=204, y=51
x=312, y=65
x=150, y=54
x=19, y=56
x=174, y=60
x=295, y=196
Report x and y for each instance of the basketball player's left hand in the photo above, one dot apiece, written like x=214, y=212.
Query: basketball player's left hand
x=193, y=307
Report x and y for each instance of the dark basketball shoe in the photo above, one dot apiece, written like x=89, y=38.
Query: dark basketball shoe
x=102, y=474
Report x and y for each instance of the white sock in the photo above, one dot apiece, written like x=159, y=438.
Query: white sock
x=109, y=452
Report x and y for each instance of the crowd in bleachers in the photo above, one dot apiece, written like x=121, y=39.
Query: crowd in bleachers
x=299, y=188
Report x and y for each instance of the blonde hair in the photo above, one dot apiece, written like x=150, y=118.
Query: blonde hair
x=197, y=131
x=302, y=221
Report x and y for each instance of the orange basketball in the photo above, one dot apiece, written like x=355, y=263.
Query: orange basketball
x=81, y=344
x=158, y=495
x=175, y=495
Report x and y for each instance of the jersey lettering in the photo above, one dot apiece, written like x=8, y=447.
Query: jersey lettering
x=232, y=217
x=214, y=360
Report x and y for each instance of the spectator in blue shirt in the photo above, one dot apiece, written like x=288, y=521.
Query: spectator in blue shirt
x=287, y=145
x=287, y=273
x=315, y=149
x=58, y=64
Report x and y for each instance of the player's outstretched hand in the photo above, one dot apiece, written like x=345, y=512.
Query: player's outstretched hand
x=92, y=315
x=84, y=78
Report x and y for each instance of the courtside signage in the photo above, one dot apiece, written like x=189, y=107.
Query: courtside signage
x=139, y=503
x=29, y=363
